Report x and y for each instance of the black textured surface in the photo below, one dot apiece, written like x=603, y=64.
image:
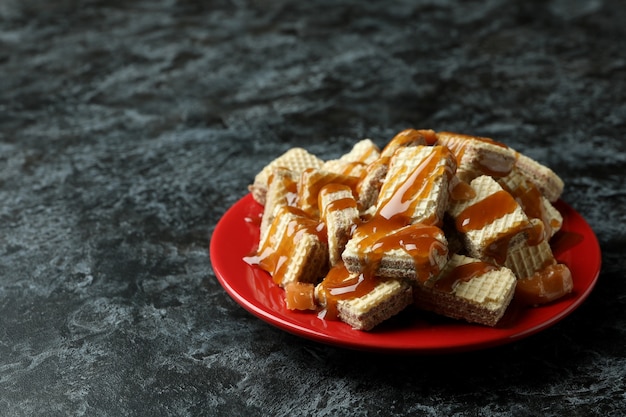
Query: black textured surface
x=127, y=128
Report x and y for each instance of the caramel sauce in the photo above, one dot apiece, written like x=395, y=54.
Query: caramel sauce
x=536, y=233
x=547, y=284
x=485, y=211
x=462, y=273
x=350, y=168
x=300, y=296
x=461, y=191
x=408, y=137
x=339, y=284
x=371, y=152
x=310, y=200
x=273, y=255
x=458, y=143
x=288, y=184
x=530, y=200
x=338, y=204
x=415, y=187
x=380, y=235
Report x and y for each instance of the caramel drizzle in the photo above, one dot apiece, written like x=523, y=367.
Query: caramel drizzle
x=311, y=199
x=371, y=152
x=548, y=284
x=338, y=204
x=486, y=211
x=339, y=284
x=350, y=168
x=290, y=186
x=462, y=273
x=407, y=137
x=273, y=255
x=461, y=190
x=458, y=143
x=421, y=242
x=417, y=186
x=530, y=200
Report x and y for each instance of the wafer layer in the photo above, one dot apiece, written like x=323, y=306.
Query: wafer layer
x=282, y=191
x=339, y=212
x=378, y=247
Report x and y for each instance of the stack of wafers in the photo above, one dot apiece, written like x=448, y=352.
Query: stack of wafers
x=450, y=223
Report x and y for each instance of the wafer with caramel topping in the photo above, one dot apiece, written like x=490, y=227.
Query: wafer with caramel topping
x=478, y=156
x=416, y=186
x=295, y=250
x=550, y=184
x=312, y=181
x=376, y=171
x=491, y=222
x=282, y=191
x=360, y=300
x=532, y=201
x=383, y=248
x=468, y=289
x=295, y=159
x=339, y=212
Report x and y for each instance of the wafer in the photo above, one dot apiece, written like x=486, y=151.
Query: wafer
x=362, y=301
x=532, y=201
x=295, y=159
x=477, y=155
x=380, y=247
x=282, y=191
x=548, y=182
x=312, y=181
x=295, y=250
x=468, y=289
x=416, y=186
x=376, y=171
x=491, y=222
x=339, y=211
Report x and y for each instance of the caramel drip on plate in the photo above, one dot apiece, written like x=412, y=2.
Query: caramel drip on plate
x=462, y=273
x=547, y=284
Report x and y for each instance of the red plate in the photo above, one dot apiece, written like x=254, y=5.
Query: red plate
x=412, y=331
